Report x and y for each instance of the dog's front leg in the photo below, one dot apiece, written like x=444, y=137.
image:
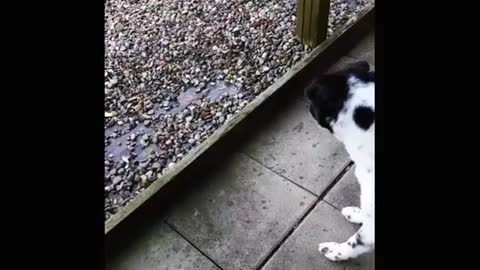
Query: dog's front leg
x=361, y=242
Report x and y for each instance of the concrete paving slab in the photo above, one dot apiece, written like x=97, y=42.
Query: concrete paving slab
x=240, y=214
x=365, y=50
x=160, y=249
x=346, y=192
x=293, y=145
x=300, y=251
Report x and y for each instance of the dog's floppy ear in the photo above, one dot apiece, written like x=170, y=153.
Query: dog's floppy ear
x=326, y=96
x=312, y=91
x=327, y=89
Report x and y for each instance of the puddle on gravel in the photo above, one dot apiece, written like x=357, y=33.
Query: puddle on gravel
x=215, y=92
x=118, y=146
x=184, y=99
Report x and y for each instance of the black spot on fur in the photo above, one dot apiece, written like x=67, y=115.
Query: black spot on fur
x=359, y=66
x=324, y=250
x=359, y=240
x=364, y=117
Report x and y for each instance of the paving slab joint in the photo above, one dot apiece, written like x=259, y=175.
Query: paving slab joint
x=307, y=213
x=193, y=245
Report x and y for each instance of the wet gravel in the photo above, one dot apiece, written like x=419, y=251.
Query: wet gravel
x=176, y=70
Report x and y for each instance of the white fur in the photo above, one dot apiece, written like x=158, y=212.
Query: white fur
x=353, y=214
x=360, y=145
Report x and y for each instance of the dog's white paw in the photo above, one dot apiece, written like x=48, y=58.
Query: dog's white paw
x=353, y=214
x=331, y=250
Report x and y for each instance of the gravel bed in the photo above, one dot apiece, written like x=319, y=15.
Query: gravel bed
x=176, y=70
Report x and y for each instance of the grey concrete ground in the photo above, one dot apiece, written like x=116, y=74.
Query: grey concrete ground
x=266, y=206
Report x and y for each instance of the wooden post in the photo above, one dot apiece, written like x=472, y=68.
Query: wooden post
x=312, y=21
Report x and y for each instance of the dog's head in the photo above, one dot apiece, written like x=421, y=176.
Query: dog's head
x=328, y=93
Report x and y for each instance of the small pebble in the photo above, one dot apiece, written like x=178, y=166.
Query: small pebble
x=116, y=180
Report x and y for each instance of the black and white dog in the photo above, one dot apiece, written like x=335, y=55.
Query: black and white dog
x=344, y=103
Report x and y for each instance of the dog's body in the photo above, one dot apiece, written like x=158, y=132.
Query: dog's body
x=344, y=103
